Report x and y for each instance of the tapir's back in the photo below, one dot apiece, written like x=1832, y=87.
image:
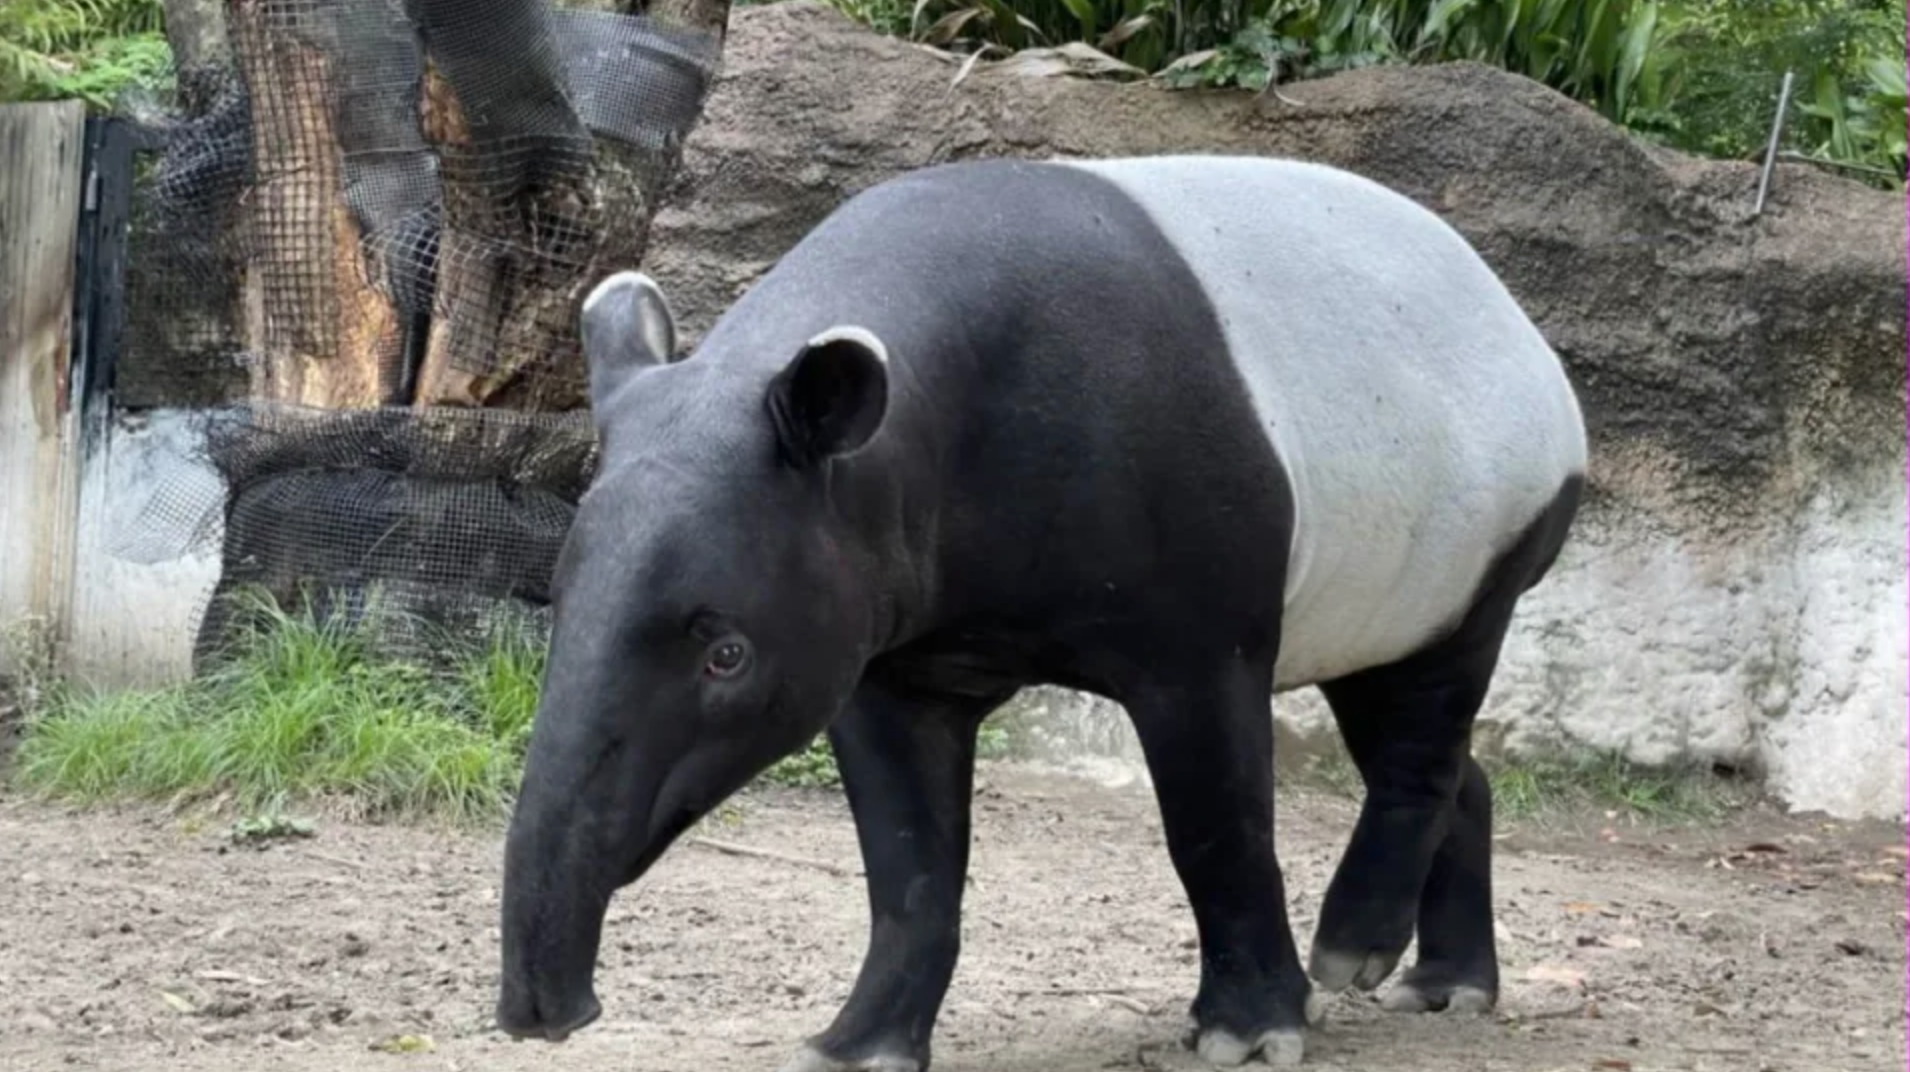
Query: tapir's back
x=1421, y=418
x=1362, y=350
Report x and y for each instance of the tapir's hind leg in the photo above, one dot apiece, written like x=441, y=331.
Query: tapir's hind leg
x=1458, y=965
x=908, y=764
x=1209, y=746
x=1421, y=852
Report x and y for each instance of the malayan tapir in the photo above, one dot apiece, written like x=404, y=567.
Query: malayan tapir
x=1183, y=431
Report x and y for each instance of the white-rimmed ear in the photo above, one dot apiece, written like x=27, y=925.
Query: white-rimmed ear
x=831, y=397
x=626, y=326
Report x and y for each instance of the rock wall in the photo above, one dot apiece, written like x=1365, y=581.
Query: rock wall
x=1735, y=592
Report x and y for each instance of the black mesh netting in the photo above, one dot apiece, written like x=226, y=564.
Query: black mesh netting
x=406, y=190
x=442, y=520
x=372, y=229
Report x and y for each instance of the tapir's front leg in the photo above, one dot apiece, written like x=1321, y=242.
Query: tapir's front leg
x=1208, y=738
x=908, y=765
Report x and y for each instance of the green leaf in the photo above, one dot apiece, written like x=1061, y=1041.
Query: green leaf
x=1636, y=47
x=1084, y=14
x=405, y=1044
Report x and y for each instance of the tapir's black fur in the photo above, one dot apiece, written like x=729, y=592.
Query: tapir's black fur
x=1037, y=475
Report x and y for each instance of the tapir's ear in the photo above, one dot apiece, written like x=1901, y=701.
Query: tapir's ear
x=626, y=327
x=832, y=396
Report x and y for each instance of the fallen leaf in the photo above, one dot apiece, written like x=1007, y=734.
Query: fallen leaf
x=1618, y=1063
x=1556, y=973
x=405, y=1044
x=178, y=1002
x=217, y=976
x=1580, y=908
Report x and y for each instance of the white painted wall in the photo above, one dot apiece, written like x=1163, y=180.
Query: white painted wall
x=133, y=620
x=1785, y=649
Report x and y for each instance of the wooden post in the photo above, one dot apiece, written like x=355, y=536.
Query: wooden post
x=40, y=196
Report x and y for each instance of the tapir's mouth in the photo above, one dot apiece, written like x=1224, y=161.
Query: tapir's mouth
x=555, y=1032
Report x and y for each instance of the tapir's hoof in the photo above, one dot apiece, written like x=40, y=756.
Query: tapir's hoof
x=810, y=1059
x=1335, y=971
x=1281, y=1047
x=1425, y=997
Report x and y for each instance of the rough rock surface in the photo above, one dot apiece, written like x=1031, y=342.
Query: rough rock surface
x=1736, y=591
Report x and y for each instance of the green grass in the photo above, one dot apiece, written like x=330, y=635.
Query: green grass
x=302, y=711
x=1609, y=782
x=815, y=766
x=1544, y=789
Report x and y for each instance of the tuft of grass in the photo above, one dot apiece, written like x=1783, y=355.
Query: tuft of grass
x=815, y=766
x=1608, y=781
x=1559, y=786
x=300, y=709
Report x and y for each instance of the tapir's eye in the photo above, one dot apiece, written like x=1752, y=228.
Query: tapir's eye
x=726, y=657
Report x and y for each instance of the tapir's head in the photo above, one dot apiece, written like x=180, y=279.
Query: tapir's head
x=713, y=611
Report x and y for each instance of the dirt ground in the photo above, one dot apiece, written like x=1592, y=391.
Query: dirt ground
x=139, y=939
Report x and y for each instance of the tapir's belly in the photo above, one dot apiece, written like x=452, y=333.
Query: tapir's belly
x=1422, y=420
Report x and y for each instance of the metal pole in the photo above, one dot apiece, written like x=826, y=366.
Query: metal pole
x=1770, y=151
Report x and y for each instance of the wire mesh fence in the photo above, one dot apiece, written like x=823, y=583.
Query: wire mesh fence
x=369, y=233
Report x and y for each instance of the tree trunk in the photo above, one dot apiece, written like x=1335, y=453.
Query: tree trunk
x=710, y=16
x=318, y=328
x=196, y=31
x=514, y=263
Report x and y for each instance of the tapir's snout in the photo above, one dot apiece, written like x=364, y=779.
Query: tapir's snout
x=522, y=1014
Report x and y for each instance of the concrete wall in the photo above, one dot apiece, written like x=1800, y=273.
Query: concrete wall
x=138, y=586
x=1786, y=652
x=1785, y=656
x=1735, y=590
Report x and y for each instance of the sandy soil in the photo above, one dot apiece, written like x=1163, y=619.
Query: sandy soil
x=141, y=940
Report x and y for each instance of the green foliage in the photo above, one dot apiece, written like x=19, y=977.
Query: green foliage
x=1698, y=74
x=812, y=768
x=90, y=49
x=269, y=827
x=1729, y=57
x=1599, y=51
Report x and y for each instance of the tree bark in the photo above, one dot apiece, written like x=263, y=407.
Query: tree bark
x=709, y=16
x=196, y=31
x=511, y=274
x=317, y=327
